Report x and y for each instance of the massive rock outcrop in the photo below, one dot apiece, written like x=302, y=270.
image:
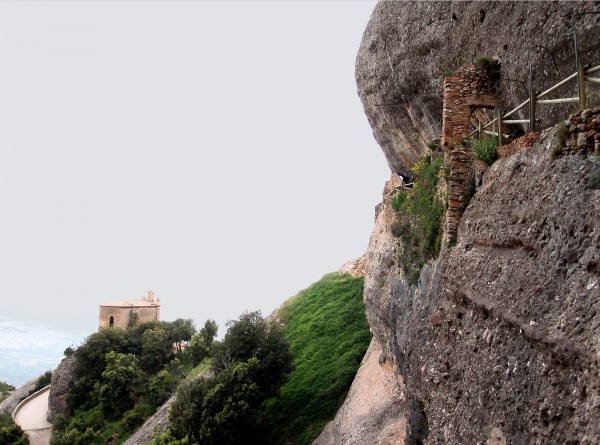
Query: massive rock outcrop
x=499, y=342
x=61, y=379
x=373, y=412
x=408, y=47
x=502, y=334
x=9, y=404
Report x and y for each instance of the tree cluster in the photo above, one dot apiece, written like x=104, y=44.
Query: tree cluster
x=122, y=375
x=250, y=364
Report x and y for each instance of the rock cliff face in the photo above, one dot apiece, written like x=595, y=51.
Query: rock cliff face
x=9, y=404
x=502, y=335
x=373, y=412
x=500, y=341
x=156, y=424
x=408, y=47
x=61, y=378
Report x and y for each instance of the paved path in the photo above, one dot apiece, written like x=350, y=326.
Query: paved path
x=31, y=417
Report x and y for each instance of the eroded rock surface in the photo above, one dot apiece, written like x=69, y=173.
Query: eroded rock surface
x=500, y=341
x=9, y=404
x=156, y=424
x=356, y=267
x=61, y=378
x=373, y=411
x=408, y=47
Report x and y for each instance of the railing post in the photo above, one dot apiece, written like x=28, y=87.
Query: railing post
x=499, y=127
x=581, y=85
x=532, y=100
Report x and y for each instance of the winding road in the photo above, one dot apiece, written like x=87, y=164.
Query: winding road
x=31, y=414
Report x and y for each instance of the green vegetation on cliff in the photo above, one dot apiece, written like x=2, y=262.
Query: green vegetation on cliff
x=253, y=397
x=270, y=382
x=122, y=375
x=419, y=216
x=227, y=408
x=329, y=335
x=5, y=390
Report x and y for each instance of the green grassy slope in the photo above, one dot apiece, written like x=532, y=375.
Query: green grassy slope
x=328, y=332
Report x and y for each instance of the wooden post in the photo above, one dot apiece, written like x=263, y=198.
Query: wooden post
x=581, y=85
x=499, y=127
x=532, y=99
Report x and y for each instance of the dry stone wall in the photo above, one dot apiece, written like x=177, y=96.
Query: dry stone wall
x=584, y=132
x=468, y=87
x=460, y=187
x=464, y=90
x=407, y=46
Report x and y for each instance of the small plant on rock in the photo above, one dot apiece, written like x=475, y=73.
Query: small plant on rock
x=556, y=151
x=562, y=132
x=486, y=150
x=489, y=65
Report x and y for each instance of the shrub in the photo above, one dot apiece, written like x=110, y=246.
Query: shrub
x=557, y=150
x=489, y=65
x=44, y=380
x=562, y=131
x=11, y=433
x=137, y=416
x=161, y=386
x=5, y=390
x=483, y=62
x=486, y=150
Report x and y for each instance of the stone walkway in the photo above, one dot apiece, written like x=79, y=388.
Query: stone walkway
x=31, y=417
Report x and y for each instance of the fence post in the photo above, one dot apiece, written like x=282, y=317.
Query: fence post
x=499, y=127
x=532, y=100
x=581, y=85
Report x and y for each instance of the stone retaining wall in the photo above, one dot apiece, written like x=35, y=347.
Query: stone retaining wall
x=464, y=90
x=460, y=187
x=583, y=132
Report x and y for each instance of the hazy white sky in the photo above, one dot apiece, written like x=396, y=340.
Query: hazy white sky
x=215, y=152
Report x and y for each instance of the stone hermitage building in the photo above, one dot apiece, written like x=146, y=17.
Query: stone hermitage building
x=124, y=314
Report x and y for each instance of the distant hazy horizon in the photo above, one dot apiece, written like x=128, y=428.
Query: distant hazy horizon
x=28, y=349
x=214, y=152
